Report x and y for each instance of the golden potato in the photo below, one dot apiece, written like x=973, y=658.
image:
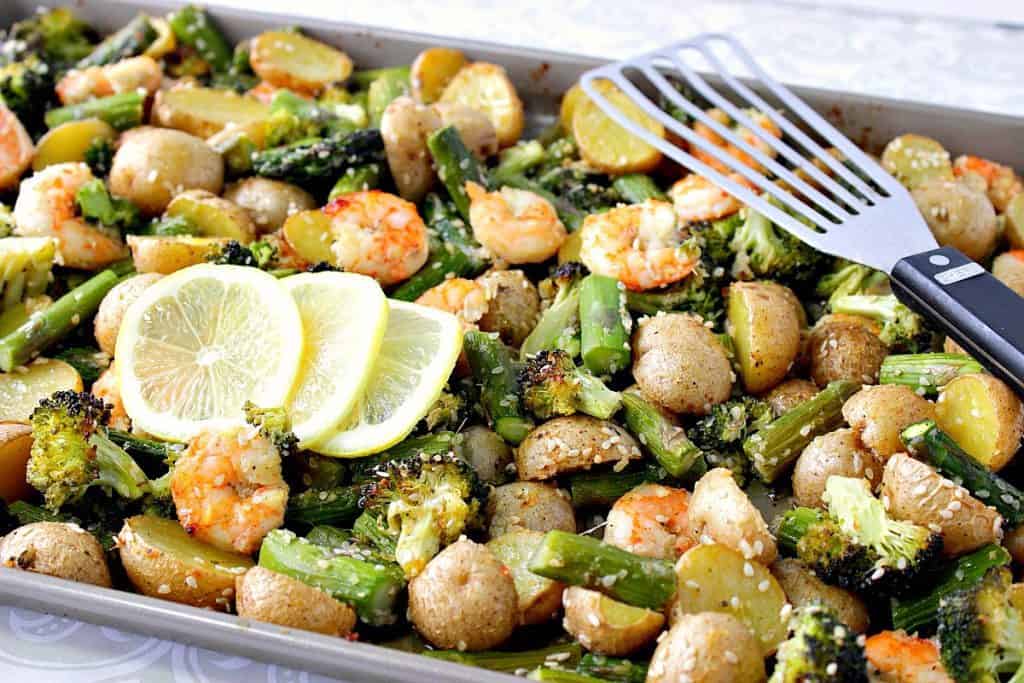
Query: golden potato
x=721, y=512
x=213, y=216
x=803, y=587
x=269, y=202
x=205, y=112
x=539, y=598
x=983, y=416
x=432, y=71
x=166, y=255
x=405, y=126
x=879, y=413
x=916, y=159
x=575, y=442
x=844, y=349
x=513, y=305
x=958, y=216
x=1008, y=268
x=607, y=626
x=765, y=328
x=529, y=505
x=66, y=551
x=836, y=453
x=475, y=129
x=788, y=395
x=1014, y=216
x=263, y=595
x=114, y=304
x=708, y=647
x=606, y=145
x=107, y=388
x=69, y=141
x=15, y=448
x=487, y=87
x=289, y=59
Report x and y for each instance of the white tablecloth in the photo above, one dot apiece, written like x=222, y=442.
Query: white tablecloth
x=965, y=64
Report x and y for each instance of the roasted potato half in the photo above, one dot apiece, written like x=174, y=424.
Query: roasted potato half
x=66, y=551
x=21, y=392
x=432, y=71
x=879, y=413
x=213, y=216
x=765, y=328
x=539, y=598
x=267, y=596
x=529, y=505
x=487, y=87
x=575, y=442
x=205, y=111
x=69, y=142
x=111, y=311
x=288, y=59
x=165, y=255
x=803, y=587
x=607, y=626
x=983, y=416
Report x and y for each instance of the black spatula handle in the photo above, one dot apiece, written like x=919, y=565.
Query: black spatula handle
x=978, y=311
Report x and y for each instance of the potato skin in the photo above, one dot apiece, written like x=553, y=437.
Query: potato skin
x=685, y=653
x=958, y=215
x=879, y=413
x=803, y=587
x=269, y=202
x=586, y=621
x=529, y=505
x=764, y=324
x=1008, y=268
x=66, y=551
x=917, y=493
x=464, y=598
x=571, y=443
x=790, y=394
x=843, y=349
x=488, y=453
x=680, y=364
x=836, y=453
x=267, y=596
x=1009, y=415
x=513, y=305
x=539, y=599
x=114, y=304
x=166, y=255
x=721, y=511
x=152, y=165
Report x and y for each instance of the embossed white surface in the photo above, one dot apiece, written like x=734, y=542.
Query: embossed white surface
x=972, y=65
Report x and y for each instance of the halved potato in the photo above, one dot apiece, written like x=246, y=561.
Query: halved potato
x=205, y=111
x=608, y=146
x=308, y=233
x=162, y=561
x=213, y=215
x=716, y=578
x=432, y=71
x=21, y=391
x=914, y=159
x=607, y=626
x=539, y=598
x=765, y=328
x=487, y=87
x=166, y=255
x=983, y=416
x=69, y=141
x=15, y=447
x=291, y=60
x=267, y=596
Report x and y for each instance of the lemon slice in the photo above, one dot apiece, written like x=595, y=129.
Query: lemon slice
x=344, y=317
x=22, y=390
x=201, y=342
x=419, y=351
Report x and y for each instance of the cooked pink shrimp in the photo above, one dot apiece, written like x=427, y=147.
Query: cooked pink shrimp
x=519, y=226
x=466, y=299
x=1001, y=183
x=46, y=208
x=650, y=520
x=744, y=134
x=642, y=245
x=16, y=149
x=228, y=489
x=107, y=388
x=377, y=234
x=127, y=75
x=696, y=198
x=900, y=658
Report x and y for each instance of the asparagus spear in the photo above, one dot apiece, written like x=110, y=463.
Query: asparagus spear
x=558, y=327
x=604, y=488
x=122, y=111
x=517, y=160
x=492, y=365
x=666, y=441
x=564, y=654
x=338, y=505
x=436, y=443
x=374, y=532
x=612, y=668
x=624, y=576
x=456, y=165
x=194, y=28
x=553, y=675
x=314, y=162
x=146, y=450
x=328, y=536
x=926, y=373
x=131, y=40
x=636, y=188
x=356, y=179
x=604, y=325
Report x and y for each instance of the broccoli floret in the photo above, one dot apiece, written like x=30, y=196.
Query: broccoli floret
x=71, y=452
x=26, y=88
x=427, y=501
x=239, y=77
x=448, y=412
x=762, y=250
x=820, y=648
x=901, y=328
x=720, y=434
x=170, y=226
x=97, y=205
x=697, y=294
x=584, y=189
x=552, y=385
x=261, y=255
x=58, y=36
x=293, y=118
x=99, y=155
x=848, y=278
x=715, y=238
x=275, y=425
x=981, y=633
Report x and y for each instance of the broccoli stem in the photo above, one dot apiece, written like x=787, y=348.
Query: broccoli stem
x=926, y=373
x=612, y=668
x=456, y=165
x=328, y=536
x=122, y=111
x=637, y=188
x=794, y=524
x=338, y=505
x=588, y=489
x=624, y=576
x=564, y=654
x=920, y=611
x=52, y=324
x=371, y=588
x=666, y=441
x=194, y=28
x=553, y=675
x=356, y=179
x=493, y=368
x=775, y=446
x=27, y=513
x=925, y=441
x=372, y=530
x=148, y=449
x=595, y=398
x=517, y=160
x=604, y=322
x=131, y=40
x=117, y=470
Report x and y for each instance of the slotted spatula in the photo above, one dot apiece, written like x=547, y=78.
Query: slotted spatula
x=873, y=221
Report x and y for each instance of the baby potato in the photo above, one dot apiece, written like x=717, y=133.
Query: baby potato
x=204, y=112
x=836, y=453
x=679, y=364
x=765, y=328
x=15, y=448
x=1008, y=268
x=708, y=647
x=539, y=598
x=59, y=549
x=721, y=512
x=917, y=493
x=487, y=87
x=114, y=304
x=152, y=165
x=69, y=141
x=958, y=216
x=916, y=159
x=263, y=595
x=21, y=392
x=213, y=216
x=983, y=416
x=529, y=505
x=803, y=587
x=487, y=453
x=163, y=561
x=513, y=305
x=475, y=129
x=165, y=255
x=844, y=349
x=788, y=395
x=405, y=126
x=269, y=202
x=464, y=598
x=288, y=59
x=606, y=145
x=432, y=71
x=607, y=626
x=879, y=413
x=571, y=443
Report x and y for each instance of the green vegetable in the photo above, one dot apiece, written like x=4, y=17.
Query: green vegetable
x=387, y=84
x=552, y=385
x=612, y=668
x=26, y=88
x=603, y=488
x=721, y=433
x=637, y=188
x=260, y=254
x=849, y=278
x=558, y=326
x=97, y=205
x=238, y=150
x=492, y=366
x=693, y=295
x=553, y=675
x=274, y=425
x=317, y=162
x=926, y=373
x=99, y=156
x=57, y=36
x=130, y=41
x=517, y=160
x=456, y=166
x=365, y=77
x=122, y=111
x=26, y=265
x=763, y=250
x=240, y=76
x=146, y=450
x=356, y=179
x=194, y=28
x=169, y=227
x=901, y=327
x=820, y=648
x=294, y=118
x=328, y=536
x=339, y=506
x=566, y=654
x=666, y=441
x=604, y=325
x=89, y=361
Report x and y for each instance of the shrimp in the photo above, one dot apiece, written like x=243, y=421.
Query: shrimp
x=228, y=489
x=46, y=208
x=127, y=75
x=744, y=134
x=518, y=226
x=377, y=234
x=16, y=149
x=107, y=388
x=466, y=299
x=900, y=658
x=651, y=521
x=642, y=245
x=696, y=198
x=1001, y=183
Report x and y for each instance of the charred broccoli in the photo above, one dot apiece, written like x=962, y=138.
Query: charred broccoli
x=99, y=155
x=559, y=324
x=697, y=294
x=819, y=648
x=763, y=250
x=57, y=36
x=262, y=255
x=552, y=385
x=901, y=328
x=720, y=434
x=274, y=425
x=715, y=238
x=26, y=87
